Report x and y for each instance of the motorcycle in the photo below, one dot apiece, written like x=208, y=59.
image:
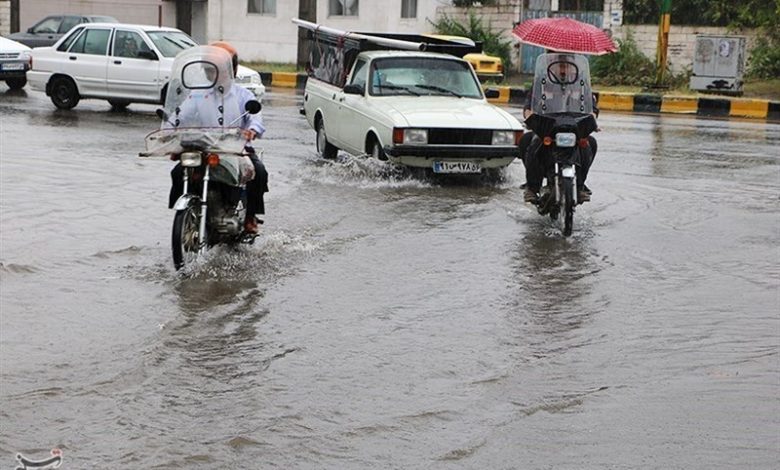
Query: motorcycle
x=562, y=120
x=215, y=164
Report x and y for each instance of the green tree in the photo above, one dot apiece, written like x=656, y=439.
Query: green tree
x=492, y=42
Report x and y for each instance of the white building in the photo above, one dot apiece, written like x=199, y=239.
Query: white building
x=261, y=30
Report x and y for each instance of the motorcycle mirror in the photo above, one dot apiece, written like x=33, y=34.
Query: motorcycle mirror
x=161, y=114
x=253, y=106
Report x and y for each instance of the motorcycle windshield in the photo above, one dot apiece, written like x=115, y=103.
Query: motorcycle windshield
x=200, y=90
x=562, y=85
x=212, y=140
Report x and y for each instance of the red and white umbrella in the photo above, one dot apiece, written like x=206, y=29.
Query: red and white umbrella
x=563, y=34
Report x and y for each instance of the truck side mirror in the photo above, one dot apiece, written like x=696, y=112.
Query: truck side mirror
x=492, y=93
x=354, y=89
x=253, y=107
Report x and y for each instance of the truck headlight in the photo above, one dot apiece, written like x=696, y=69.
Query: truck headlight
x=503, y=138
x=565, y=139
x=415, y=136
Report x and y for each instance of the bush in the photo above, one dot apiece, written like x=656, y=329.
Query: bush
x=628, y=66
x=492, y=42
x=765, y=59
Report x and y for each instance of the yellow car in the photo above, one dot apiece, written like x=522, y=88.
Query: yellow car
x=488, y=67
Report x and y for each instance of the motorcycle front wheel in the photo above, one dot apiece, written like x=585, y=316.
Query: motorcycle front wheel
x=185, y=242
x=568, y=206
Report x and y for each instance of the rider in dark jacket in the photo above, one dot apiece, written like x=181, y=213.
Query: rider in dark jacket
x=536, y=169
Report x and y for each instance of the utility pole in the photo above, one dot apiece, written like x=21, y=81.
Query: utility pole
x=663, y=41
x=307, y=10
x=15, y=16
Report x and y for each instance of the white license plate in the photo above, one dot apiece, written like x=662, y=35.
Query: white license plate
x=456, y=167
x=12, y=66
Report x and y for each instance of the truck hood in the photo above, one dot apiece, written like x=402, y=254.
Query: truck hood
x=445, y=111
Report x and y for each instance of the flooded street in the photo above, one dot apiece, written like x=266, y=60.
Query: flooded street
x=384, y=321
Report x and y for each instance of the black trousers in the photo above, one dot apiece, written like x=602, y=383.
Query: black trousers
x=537, y=161
x=255, y=189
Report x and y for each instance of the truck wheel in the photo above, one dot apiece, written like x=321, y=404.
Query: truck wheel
x=64, y=94
x=16, y=83
x=377, y=151
x=324, y=148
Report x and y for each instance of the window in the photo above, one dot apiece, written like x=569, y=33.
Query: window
x=408, y=8
x=265, y=7
x=69, y=40
x=128, y=44
x=422, y=76
x=68, y=23
x=359, y=75
x=171, y=43
x=49, y=25
x=93, y=41
x=343, y=8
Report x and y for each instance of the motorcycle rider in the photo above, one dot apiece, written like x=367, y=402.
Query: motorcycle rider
x=535, y=168
x=252, y=127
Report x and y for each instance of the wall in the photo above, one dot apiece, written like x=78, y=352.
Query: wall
x=274, y=38
x=5, y=17
x=126, y=11
x=682, y=41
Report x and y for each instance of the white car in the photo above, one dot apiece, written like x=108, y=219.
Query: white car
x=418, y=109
x=14, y=63
x=120, y=63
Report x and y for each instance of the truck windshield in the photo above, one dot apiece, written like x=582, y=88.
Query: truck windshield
x=394, y=76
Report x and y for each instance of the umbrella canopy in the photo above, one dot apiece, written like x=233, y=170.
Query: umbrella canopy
x=564, y=35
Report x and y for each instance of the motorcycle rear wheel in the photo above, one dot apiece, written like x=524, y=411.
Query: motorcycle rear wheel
x=568, y=206
x=184, y=238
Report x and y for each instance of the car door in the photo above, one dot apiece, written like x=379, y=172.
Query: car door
x=44, y=33
x=352, y=124
x=88, y=60
x=132, y=68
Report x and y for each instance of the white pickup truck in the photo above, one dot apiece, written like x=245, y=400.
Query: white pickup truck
x=420, y=109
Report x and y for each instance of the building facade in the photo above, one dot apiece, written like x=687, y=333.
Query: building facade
x=5, y=17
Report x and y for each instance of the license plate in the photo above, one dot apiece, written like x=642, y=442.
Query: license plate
x=12, y=66
x=456, y=167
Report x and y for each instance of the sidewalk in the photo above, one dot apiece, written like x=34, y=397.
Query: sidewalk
x=721, y=106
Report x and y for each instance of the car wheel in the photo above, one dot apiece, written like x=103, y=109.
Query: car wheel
x=324, y=148
x=64, y=94
x=119, y=105
x=377, y=151
x=16, y=83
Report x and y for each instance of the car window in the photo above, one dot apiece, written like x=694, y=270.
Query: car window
x=171, y=43
x=93, y=41
x=359, y=75
x=68, y=22
x=128, y=44
x=423, y=75
x=49, y=25
x=69, y=40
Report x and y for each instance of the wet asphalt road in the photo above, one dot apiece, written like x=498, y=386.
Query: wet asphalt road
x=383, y=321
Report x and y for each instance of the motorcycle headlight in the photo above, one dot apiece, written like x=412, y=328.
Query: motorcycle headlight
x=565, y=139
x=415, y=136
x=503, y=138
x=190, y=159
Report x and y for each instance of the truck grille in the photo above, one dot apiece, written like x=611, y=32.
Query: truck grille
x=460, y=136
x=9, y=55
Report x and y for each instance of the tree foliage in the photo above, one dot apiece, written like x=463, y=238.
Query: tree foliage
x=492, y=41
x=627, y=66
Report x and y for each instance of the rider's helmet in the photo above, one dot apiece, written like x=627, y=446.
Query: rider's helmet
x=230, y=50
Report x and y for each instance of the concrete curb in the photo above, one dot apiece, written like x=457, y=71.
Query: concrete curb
x=611, y=101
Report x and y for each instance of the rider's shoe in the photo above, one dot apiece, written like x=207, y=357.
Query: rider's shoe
x=529, y=195
x=586, y=189
x=583, y=195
